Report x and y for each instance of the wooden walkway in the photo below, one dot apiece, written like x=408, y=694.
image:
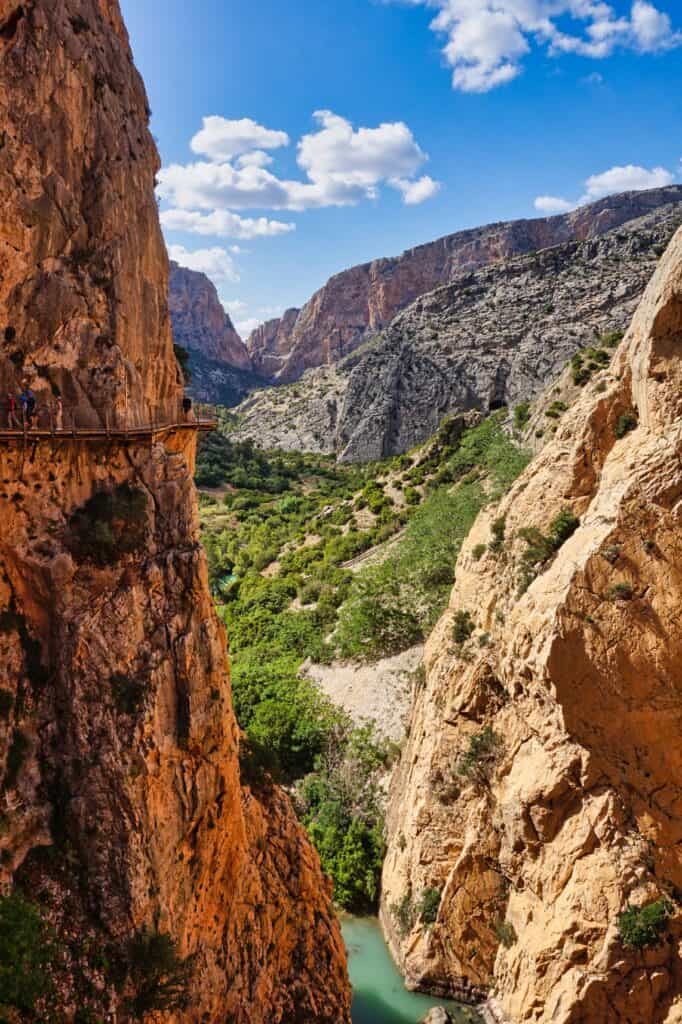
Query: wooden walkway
x=145, y=433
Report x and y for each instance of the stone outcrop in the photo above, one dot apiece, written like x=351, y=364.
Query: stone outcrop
x=493, y=337
x=540, y=791
x=270, y=343
x=200, y=322
x=124, y=801
x=359, y=302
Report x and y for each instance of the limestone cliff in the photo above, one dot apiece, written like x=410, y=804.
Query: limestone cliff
x=493, y=337
x=199, y=321
x=120, y=795
x=357, y=303
x=540, y=791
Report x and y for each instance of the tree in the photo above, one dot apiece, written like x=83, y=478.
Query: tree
x=26, y=949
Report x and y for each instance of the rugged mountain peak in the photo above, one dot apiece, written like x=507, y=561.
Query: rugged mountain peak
x=127, y=805
x=358, y=302
x=200, y=322
x=269, y=344
x=538, y=793
x=491, y=337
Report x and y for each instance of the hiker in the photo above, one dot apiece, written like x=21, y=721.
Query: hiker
x=58, y=413
x=187, y=408
x=11, y=407
x=28, y=405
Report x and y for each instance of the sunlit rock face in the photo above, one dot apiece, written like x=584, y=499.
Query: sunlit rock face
x=491, y=337
x=539, y=792
x=199, y=321
x=120, y=792
x=359, y=302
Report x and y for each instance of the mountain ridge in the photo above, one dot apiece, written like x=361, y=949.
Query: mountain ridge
x=361, y=300
x=494, y=336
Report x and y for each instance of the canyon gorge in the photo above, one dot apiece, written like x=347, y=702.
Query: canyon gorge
x=398, y=635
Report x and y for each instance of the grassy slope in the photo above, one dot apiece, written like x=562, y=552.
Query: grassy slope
x=279, y=531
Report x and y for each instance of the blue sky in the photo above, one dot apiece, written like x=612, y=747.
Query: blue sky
x=344, y=130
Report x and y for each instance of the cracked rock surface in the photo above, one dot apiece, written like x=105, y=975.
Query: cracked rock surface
x=571, y=809
x=122, y=800
x=493, y=336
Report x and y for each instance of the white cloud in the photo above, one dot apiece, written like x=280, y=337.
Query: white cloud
x=247, y=327
x=594, y=79
x=630, y=178
x=235, y=307
x=552, y=204
x=343, y=165
x=652, y=28
x=220, y=139
x=339, y=158
x=418, y=191
x=223, y=224
x=625, y=179
x=256, y=159
x=486, y=40
x=216, y=263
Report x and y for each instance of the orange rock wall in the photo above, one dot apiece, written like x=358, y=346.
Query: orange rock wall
x=117, y=819
x=579, y=811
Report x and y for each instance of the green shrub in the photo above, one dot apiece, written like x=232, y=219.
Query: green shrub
x=478, y=551
x=476, y=762
x=463, y=627
x=506, y=934
x=26, y=952
x=310, y=592
x=257, y=763
x=159, y=976
x=626, y=422
x=620, y=592
x=562, y=527
x=110, y=525
x=611, y=338
x=412, y=496
x=556, y=409
x=341, y=806
x=540, y=548
x=403, y=912
x=579, y=372
x=521, y=415
x=498, y=529
x=429, y=905
x=643, y=927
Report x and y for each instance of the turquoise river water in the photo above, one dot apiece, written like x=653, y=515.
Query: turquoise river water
x=379, y=995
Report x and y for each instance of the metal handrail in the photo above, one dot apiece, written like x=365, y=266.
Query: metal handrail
x=23, y=427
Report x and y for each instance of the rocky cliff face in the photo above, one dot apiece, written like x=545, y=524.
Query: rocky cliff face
x=121, y=802
x=269, y=345
x=493, y=337
x=359, y=302
x=540, y=790
x=199, y=321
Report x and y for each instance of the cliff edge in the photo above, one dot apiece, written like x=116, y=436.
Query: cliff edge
x=536, y=815
x=123, y=814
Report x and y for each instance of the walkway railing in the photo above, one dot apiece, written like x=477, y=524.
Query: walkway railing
x=46, y=422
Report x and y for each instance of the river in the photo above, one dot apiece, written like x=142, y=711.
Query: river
x=379, y=995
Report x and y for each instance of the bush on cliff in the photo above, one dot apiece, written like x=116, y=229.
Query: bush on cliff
x=642, y=927
x=159, y=976
x=110, y=525
x=26, y=951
